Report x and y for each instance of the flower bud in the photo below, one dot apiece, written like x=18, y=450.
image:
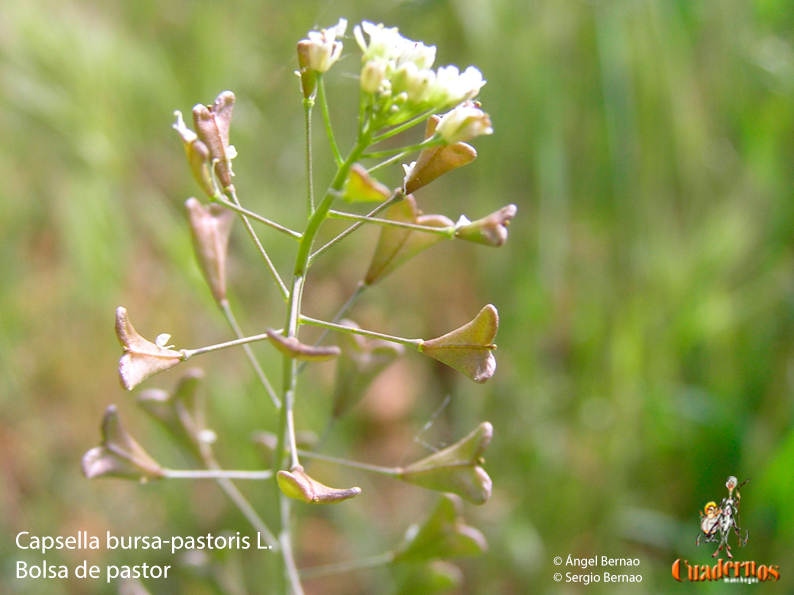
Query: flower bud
x=198, y=155
x=307, y=75
x=119, y=455
x=490, y=230
x=436, y=161
x=464, y=123
x=296, y=484
x=362, y=360
x=210, y=229
x=295, y=349
x=323, y=49
x=141, y=358
x=443, y=535
x=397, y=245
x=372, y=74
x=181, y=411
x=456, y=469
x=212, y=126
x=468, y=349
x=361, y=187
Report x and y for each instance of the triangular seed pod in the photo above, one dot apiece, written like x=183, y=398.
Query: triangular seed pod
x=119, y=455
x=490, y=230
x=296, y=484
x=443, y=535
x=297, y=350
x=469, y=348
x=397, y=245
x=210, y=229
x=141, y=358
x=456, y=469
x=212, y=127
x=436, y=161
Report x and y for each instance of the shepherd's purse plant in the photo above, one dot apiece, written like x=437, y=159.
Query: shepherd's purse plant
x=399, y=90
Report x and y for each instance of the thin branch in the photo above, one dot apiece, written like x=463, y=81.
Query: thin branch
x=389, y=161
x=327, y=119
x=341, y=567
x=308, y=104
x=405, y=126
x=250, y=353
x=447, y=232
x=391, y=471
x=396, y=197
x=216, y=474
x=357, y=331
x=242, y=504
x=430, y=142
x=283, y=288
x=256, y=217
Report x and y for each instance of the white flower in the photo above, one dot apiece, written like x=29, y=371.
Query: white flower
x=372, y=75
x=453, y=87
x=385, y=43
x=324, y=50
x=464, y=123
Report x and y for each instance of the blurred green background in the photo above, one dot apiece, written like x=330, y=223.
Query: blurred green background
x=646, y=292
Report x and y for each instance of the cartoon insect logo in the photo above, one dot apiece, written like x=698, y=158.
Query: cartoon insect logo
x=716, y=522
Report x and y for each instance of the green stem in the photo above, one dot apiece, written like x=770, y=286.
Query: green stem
x=308, y=104
x=216, y=474
x=283, y=288
x=251, y=215
x=396, y=197
x=357, y=331
x=403, y=127
x=430, y=142
x=447, y=232
x=390, y=471
x=188, y=353
x=389, y=161
x=327, y=119
x=250, y=353
x=340, y=567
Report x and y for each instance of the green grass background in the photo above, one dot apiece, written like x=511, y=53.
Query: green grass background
x=646, y=292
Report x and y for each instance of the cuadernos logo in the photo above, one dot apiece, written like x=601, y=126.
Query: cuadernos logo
x=717, y=523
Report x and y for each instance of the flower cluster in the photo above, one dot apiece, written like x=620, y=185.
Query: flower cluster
x=397, y=73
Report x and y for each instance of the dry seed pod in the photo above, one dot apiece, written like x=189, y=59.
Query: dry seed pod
x=141, y=358
x=436, y=161
x=198, y=155
x=490, y=230
x=456, y=469
x=397, y=245
x=297, y=350
x=296, y=484
x=212, y=127
x=468, y=349
x=119, y=454
x=210, y=229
